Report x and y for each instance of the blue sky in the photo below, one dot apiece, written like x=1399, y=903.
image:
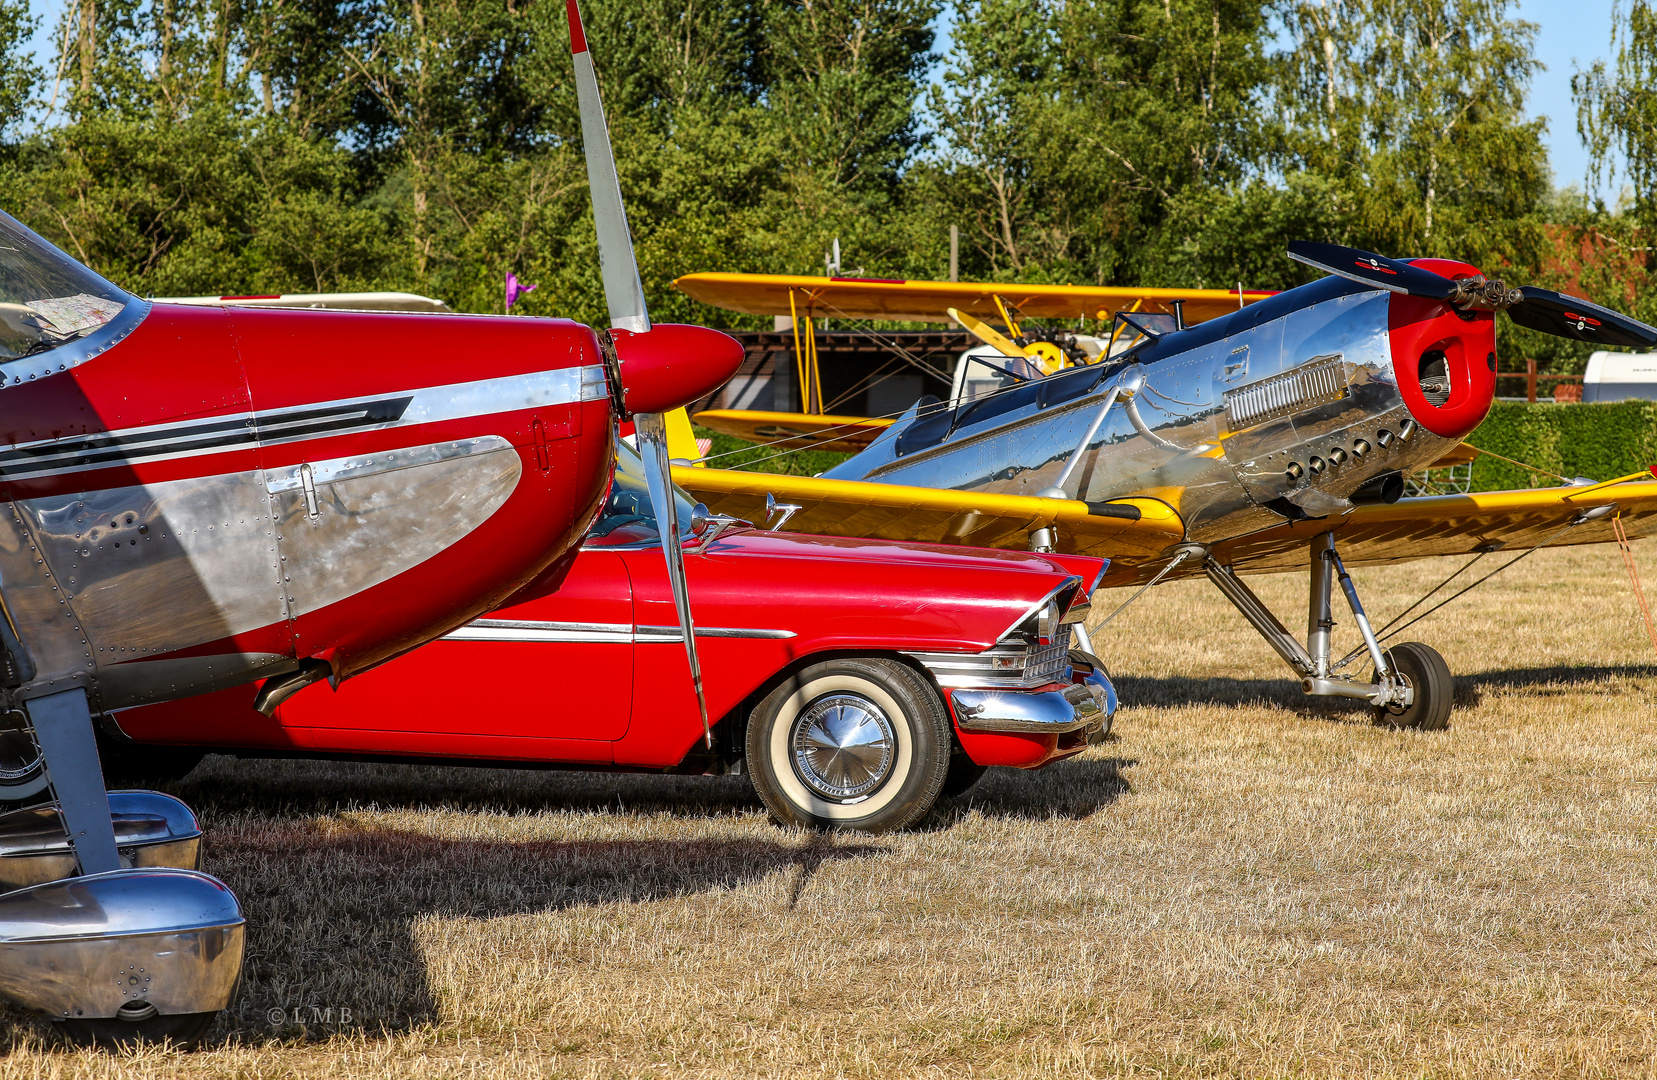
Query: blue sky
x=1573, y=34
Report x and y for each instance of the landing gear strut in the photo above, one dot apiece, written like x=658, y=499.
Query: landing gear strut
x=106, y=927
x=1412, y=686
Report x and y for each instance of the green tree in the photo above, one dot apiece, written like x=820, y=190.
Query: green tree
x=1617, y=118
x=1086, y=140
x=1414, y=110
x=19, y=74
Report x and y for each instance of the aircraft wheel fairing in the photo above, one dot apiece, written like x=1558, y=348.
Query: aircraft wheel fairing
x=160, y=950
x=857, y=744
x=151, y=830
x=1430, y=680
x=22, y=772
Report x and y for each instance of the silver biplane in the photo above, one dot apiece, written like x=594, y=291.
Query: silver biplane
x=1274, y=437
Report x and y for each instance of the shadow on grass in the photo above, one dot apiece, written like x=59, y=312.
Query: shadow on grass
x=227, y=785
x=332, y=914
x=333, y=907
x=1284, y=693
x=1075, y=788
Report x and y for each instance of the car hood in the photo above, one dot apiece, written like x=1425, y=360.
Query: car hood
x=838, y=593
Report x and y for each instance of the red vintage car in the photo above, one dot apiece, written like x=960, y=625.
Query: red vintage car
x=854, y=680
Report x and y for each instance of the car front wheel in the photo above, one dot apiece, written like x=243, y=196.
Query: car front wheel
x=855, y=744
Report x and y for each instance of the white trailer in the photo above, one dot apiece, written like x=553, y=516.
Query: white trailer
x=1616, y=376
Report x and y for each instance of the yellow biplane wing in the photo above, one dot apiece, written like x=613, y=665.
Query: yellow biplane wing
x=965, y=302
x=1138, y=535
x=796, y=431
x=929, y=301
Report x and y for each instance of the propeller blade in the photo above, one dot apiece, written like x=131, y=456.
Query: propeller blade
x=623, y=291
x=630, y=325
x=651, y=429
x=986, y=333
x=1568, y=317
x=1372, y=269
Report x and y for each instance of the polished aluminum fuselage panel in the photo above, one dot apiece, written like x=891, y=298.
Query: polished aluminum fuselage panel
x=1212, y=431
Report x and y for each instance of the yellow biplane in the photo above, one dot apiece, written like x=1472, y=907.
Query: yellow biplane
x=975, y=306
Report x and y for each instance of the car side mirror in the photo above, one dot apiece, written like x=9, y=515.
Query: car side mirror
x=699, y=518
x=773, y=508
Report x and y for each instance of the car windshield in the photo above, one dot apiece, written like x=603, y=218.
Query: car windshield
x=47, y=299
x=628, y=517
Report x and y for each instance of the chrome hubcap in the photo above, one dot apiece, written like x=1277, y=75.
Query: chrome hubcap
x=843, y=746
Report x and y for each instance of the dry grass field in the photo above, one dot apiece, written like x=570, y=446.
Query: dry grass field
x=1239, y=883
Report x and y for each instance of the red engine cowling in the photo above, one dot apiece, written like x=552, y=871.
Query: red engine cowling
x=1425, y=332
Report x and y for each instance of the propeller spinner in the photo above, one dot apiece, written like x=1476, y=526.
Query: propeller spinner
x=1537, y=309
x=659, y=368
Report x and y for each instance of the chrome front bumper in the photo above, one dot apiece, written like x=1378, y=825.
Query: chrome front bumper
x=1088, y=706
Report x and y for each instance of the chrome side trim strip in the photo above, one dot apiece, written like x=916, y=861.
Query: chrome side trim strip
x=166, y=442
x=349, y=468
x=616, y=633
x=534, y=630
x=672, y=633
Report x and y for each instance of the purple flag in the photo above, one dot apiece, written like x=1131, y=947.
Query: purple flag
x=515, y=289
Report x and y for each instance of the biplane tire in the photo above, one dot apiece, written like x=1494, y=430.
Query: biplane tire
x=1429, y=676
x=858, y=744
x=183, y=1030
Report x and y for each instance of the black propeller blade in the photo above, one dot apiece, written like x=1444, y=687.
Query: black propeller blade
x=1535, y=309
x=1371, y=269
x=1568, y=317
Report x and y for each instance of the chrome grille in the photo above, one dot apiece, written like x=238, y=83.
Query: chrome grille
x=1012, y=664
x=1045, y=663
x=1317, y=382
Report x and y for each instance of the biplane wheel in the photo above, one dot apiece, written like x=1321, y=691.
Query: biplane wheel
x=856, y=744
x=183, y=1030
x=1429, y=677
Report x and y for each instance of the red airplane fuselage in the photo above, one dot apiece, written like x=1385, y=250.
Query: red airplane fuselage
x=224, y=494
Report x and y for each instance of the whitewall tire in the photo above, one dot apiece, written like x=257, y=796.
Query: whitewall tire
x=855, y=744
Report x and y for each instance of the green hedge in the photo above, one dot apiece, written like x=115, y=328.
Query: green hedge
x=729, y=452
x=1598, y=441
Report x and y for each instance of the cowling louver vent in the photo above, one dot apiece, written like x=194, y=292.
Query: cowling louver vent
x=1316, y=382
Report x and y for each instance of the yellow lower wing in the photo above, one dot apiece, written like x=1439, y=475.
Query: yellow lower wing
x=859, y=509
x=795, y=431
x=1408, y=529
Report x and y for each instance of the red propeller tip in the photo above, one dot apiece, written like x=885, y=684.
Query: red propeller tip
x=578, y=34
